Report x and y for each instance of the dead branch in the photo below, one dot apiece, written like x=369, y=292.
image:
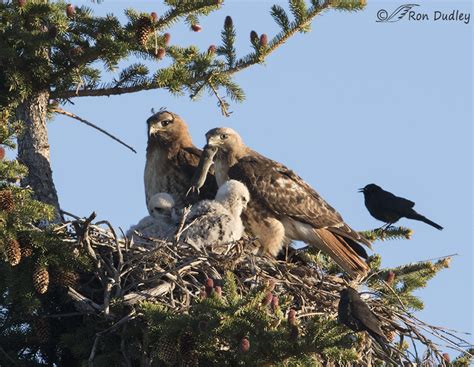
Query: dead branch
x=72, y=115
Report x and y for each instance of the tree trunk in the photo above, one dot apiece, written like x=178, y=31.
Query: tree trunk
x=33, y=149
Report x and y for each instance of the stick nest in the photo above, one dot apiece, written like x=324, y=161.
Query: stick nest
x=174, y=273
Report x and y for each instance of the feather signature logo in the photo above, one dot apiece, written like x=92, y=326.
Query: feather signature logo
x=396, y=15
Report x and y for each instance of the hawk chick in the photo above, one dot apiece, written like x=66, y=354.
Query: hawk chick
x=161, y=224
x=218, y=222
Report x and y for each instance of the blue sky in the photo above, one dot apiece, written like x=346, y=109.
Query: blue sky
x=350, y=103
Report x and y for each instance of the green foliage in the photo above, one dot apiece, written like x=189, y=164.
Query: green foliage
x=25, y=221
x=73, y=56
x=391, y=233
x=465, y=359
x=407, y=279
x=219, y=323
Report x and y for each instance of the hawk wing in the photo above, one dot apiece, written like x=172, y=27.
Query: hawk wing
x=288, y=195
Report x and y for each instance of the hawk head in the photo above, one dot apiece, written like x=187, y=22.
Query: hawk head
x=234, y=195
x=225, y=139
x=167, y=128
x=161, y=205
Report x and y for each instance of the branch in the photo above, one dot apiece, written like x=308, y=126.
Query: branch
x=242, y=64
x=69, y=114
x=277, y=41
x=220, y=101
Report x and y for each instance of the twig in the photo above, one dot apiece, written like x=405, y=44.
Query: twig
x=220, y=101
x=122, y=321
x=70, y=214
x=72, y=115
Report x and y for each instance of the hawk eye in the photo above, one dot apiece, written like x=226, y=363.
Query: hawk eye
x=224, y=136
x=166, y=122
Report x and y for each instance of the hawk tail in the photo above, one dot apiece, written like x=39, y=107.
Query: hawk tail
x=341, y=251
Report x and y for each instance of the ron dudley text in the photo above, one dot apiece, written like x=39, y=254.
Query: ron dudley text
x=441, y=16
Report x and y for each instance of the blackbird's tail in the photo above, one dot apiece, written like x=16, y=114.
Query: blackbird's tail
x=382, y=341
x=414, y=215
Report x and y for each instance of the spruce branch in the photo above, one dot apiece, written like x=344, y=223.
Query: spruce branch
x=280, y=17
x=391, y=233
x=197, y=82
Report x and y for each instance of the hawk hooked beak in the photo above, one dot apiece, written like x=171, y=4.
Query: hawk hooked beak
x=213, y=141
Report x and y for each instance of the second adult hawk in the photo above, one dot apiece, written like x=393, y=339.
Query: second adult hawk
x=284, y=207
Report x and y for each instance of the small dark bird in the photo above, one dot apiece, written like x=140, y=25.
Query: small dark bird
x=388, y=208
x=357, y=316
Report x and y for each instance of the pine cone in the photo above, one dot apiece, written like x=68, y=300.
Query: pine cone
x=209, y=286
x=263, y=40
x=26, y=252
x=196, y=28
x=187, y=346
x=41, y=279
x=65, y=278
x=228, y=23
x=154, y=16
x=390, y=277
x=275, y=303
x=26, y=244
x=144, y=30
x=167, y=38
x=446, y=357
x=7, y=203
x=212, y=49
x=244, y=345
x=160, y=53
x=70, y=10
x=2, y=153
x=42, y=331
x=254, y=37
x=218, y=291
x=292, y=317
x=21, y=3
x=268, y=299
x=13, y=252
x=167, y=351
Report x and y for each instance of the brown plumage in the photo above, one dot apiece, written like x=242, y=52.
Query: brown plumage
x=284, y=207
x=171, y=159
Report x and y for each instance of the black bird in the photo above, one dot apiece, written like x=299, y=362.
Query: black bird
x=357, y=316
x=388, y=208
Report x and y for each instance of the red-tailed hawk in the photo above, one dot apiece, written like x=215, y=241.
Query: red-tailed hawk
x=284, y=207
x=171, y=159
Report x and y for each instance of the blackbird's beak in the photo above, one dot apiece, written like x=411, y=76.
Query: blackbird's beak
x=360, y=190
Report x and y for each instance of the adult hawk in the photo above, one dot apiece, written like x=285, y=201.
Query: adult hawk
x=284, y=207
x=171, y=159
